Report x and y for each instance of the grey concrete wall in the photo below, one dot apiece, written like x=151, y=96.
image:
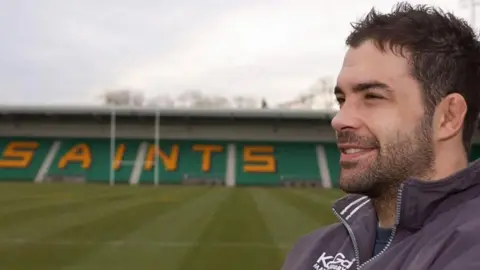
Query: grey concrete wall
x=280, y=132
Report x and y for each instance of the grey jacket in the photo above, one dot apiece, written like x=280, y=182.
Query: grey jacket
x=437, y=228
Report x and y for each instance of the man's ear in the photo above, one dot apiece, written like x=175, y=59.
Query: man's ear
x=450, y=113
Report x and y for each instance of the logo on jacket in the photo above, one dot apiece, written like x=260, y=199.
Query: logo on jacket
x=337, y=262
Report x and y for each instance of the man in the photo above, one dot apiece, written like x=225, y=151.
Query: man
x=409, y=93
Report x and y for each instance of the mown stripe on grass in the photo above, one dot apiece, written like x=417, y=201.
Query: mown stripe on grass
x=13, y=197
x=40, y=226
x=110, y=226
x=41, y=211
x=24, y=201
x=285, y=222
x=236, y=220
x=322, y=194
x=319, y=211
x=162, y=243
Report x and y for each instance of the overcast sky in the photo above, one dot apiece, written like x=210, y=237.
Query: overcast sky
x=70, y=51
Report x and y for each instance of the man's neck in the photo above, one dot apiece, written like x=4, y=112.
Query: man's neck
x=385, y=208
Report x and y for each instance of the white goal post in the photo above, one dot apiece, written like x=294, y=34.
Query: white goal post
x=113, y=135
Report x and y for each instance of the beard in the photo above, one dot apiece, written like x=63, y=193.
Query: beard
x=404, y=157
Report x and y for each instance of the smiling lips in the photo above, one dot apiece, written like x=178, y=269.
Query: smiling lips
x=349, y=153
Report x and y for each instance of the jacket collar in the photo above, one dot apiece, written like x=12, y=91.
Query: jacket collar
x=420, y=201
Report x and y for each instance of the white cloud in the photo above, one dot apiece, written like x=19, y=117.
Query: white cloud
x=54, y=51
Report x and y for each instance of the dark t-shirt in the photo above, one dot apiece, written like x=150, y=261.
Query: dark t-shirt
x=381, y=239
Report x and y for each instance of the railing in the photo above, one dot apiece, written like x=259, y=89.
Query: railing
x=209, y=180
x=65, y=178
x=300, y=181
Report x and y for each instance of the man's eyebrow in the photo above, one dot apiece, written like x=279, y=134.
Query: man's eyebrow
x=370, y=85
x=360, y=87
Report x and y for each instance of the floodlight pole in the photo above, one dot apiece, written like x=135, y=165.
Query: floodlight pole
x=112, y=145
x=157, y=145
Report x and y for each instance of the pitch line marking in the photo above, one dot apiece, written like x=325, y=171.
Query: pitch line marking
x=163, y=244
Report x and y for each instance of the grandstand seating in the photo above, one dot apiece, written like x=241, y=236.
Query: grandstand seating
x=188, y=162
x=180, y=162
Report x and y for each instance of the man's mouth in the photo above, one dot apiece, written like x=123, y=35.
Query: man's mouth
x=355, y=153
x=350, y=151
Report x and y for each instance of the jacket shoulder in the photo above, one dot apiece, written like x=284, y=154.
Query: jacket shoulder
x=461, y=245
x=306, y=245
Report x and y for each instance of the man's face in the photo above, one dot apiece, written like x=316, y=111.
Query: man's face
x=383, y=131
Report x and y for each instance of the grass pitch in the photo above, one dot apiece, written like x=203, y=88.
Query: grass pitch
x=67, y=226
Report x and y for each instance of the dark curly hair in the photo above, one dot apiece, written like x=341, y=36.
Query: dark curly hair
x=442, y=49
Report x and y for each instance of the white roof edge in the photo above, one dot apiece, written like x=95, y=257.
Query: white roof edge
x=175, y=112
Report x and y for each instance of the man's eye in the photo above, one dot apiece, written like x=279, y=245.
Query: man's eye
x=340, y=100
x=372, y=96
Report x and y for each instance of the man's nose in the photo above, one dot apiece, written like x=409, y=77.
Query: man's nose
x=346, y=118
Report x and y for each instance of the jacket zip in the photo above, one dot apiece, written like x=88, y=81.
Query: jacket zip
x=390, y=240
x=352, y=235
